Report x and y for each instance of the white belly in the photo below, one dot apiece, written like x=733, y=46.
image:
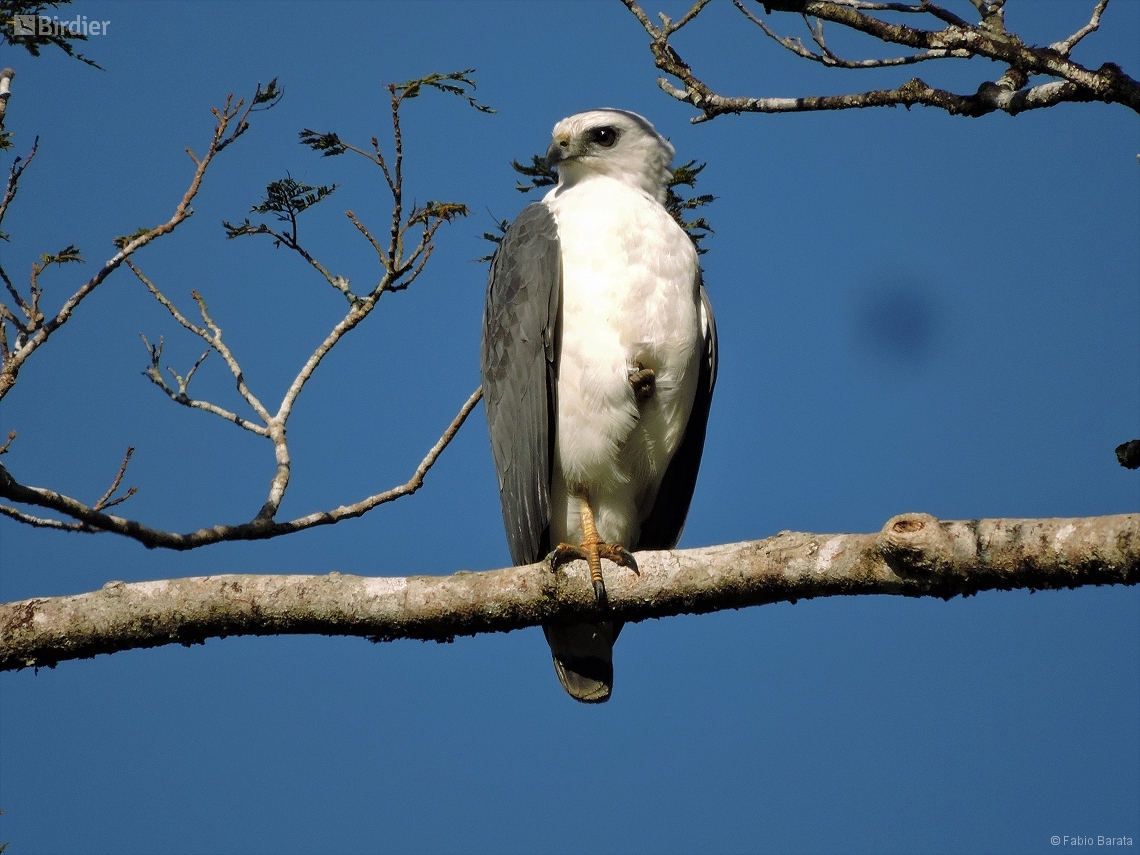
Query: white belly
x=630, y=295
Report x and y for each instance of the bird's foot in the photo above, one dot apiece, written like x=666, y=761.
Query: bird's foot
x=644, y=383
x=592, y=551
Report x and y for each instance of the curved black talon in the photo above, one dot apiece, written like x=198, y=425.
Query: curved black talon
x=600, y=592
x=625, y=558
x=564, y=553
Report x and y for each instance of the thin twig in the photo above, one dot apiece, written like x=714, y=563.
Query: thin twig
x=154, y=374
x=212, y=335
x=259, y=528
x=829, y=59
x=25, y=309
x=129, y=246
x=14, y=173
x=216, y=342
x=1066, y=46
x=670, y=27
x=41, y=522
x=383, y=257
x=106, y=501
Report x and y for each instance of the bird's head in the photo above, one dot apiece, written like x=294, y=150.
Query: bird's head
x=616, y=143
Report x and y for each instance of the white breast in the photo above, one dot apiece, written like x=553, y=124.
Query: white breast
x=630, y=294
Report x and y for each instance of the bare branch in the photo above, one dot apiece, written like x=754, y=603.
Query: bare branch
x=383, y=257
x=106, y=501
x=154, y=374
x=830, y=59
x=21, y=303
x=260, y=528
x=12, y=185
x=396, y=183
x=349, y=322
x=1066, y=46
x=667, y=25
x=944, y=15
x=883, y=7
x=286, y=199
x=914, y=555
x=225, y=132
x=958, y=39
x=215, y=341
x=39, y=522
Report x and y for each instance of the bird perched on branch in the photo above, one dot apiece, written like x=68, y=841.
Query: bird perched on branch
x=598, y=360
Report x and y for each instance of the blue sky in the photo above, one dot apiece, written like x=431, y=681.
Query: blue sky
x=917, y=312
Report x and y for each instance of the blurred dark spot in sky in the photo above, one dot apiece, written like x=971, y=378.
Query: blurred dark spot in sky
x=896, y=319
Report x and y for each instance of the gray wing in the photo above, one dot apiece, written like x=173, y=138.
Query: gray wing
x=519, y=385
x=662, y=528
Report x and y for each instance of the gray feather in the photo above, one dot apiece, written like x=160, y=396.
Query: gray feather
x=518, y=375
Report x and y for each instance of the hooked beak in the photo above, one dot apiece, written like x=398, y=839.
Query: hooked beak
x=559, y=151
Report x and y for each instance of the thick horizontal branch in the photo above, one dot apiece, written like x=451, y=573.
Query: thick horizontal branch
x=915, y=92
x=914, y=555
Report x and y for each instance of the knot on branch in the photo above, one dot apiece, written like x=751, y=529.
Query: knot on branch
x=1114, y=80
x=915, y=544
x=914, y=89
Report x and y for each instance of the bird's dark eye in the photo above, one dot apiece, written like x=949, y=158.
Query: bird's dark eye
x=604, y=137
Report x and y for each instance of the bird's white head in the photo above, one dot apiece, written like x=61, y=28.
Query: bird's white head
x=615, y=143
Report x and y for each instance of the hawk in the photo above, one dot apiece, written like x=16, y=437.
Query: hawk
x=599, y=358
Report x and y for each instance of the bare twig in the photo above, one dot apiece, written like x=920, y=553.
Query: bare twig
x=383, y=257
x=211, y=333
x=694, y=10
x=260, y=528
x=225, y=132
x=214, y=339
x=40, y=522
x=913, y=555
x=1066, y=46
x=106, y=501
x=828, y=58
x=14, y=173
x=154, y=374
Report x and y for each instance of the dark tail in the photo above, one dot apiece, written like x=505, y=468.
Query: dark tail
x=584, y=659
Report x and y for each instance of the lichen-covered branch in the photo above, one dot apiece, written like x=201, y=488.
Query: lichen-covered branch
x=956, y=39
x=914, y=555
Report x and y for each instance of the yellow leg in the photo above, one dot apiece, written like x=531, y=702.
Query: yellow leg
x=592, y=550
x=590, y=543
